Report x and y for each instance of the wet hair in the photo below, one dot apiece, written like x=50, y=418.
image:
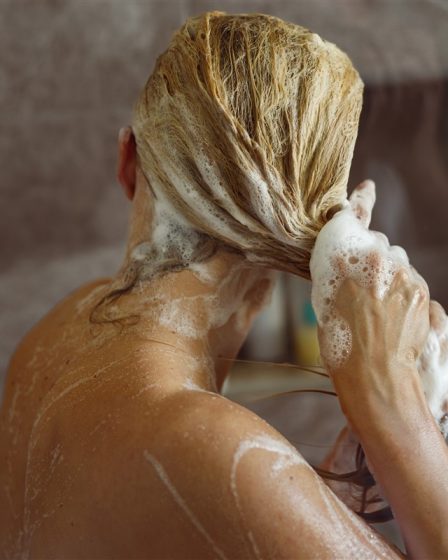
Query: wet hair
x=246, y=128
x=364, y=489
x=247, y=125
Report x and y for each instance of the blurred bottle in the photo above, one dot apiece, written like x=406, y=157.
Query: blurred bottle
x=305, y=336
x=267, y=340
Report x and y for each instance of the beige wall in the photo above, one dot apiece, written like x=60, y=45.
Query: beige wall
x=70, y=71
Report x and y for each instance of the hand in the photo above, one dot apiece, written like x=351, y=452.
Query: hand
x=372, y=282
x=386, y=333
x=362, y=200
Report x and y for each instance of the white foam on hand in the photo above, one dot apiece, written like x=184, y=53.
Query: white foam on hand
x=345, y=247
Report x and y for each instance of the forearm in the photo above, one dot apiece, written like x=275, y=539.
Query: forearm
x=409, y=459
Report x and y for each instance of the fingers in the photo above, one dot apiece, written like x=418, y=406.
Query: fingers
x=405, y=287
x=401, y=284
x=401, y=280
x=419, y=279
x=437, y=317
x=374, y=263
x=366, y=272
x=382, y=239
x=362, y=201
x=124, y=133
x=340, y=265
x=347, y=295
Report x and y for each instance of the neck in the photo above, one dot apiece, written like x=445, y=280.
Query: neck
x=195, y=321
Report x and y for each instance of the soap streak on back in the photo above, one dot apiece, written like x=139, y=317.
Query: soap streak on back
x=181, y=502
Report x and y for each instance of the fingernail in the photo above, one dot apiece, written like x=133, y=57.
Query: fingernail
x=366, y=183
x=123, y=134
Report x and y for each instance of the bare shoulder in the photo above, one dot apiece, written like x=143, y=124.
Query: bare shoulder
x=245, y=488
x=52, y=321
x=204, y=426
x=198, y=466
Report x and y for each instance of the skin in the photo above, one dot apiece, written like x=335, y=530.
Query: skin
x=116, y=443
x=382, y=397
x=390, y=417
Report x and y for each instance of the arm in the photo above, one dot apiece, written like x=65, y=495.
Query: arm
x=409, y=459
x=381, y=394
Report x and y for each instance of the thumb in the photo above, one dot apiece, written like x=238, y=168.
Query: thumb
x=362, y=201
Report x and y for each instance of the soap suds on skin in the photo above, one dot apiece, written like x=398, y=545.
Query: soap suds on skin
x=190, y=385
x=174, y=237
x=345, y=237
x=335, y=511
x=181, y=503
x=287, y=456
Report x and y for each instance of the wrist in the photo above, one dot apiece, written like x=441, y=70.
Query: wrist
x=377, y=395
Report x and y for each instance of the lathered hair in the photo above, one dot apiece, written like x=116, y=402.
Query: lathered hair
x=247, y=124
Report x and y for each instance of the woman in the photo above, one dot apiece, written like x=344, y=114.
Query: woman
x=116, y=442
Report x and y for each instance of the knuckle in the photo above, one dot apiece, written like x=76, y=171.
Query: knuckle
x=402, y=276
x=352, y=286
x=423, y=292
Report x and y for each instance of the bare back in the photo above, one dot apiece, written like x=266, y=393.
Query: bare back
x=102, y=458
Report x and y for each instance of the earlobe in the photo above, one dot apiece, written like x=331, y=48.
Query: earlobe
x=127, y=161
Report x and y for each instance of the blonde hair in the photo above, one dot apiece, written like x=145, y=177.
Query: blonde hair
x=248, y=125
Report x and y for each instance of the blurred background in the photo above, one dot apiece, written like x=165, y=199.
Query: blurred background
x=70, y=71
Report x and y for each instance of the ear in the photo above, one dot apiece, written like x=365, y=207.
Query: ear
x=259, y=295
x=127, y=161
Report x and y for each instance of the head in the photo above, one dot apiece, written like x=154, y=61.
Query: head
x=241, y=139
x=244, y=133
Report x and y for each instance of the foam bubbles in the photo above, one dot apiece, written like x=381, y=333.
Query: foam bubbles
x=433, y=369
x=346, y=248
